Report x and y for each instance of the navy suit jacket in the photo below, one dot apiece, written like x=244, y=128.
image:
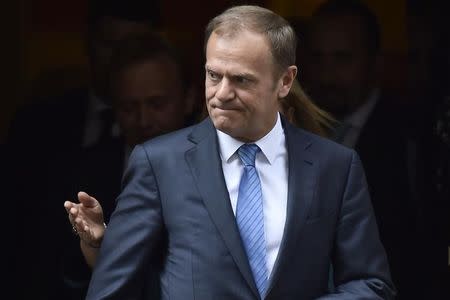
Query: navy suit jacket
x=382, y=147
x=175, y=198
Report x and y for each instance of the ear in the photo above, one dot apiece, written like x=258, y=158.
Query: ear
x=286, y=81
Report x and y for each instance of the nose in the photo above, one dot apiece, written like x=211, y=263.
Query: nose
x=225, y=91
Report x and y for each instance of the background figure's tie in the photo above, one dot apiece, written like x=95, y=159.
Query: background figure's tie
x=250, y=217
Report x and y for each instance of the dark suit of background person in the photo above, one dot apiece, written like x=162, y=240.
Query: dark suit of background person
x=174, y=188
x=9, y=219
x=342, y=67
x=99, y=170
x=61, y=126
x=439, y=180
x=382, y=149
x=150, y=96
x=429, y=121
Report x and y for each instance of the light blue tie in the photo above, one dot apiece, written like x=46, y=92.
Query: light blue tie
x=250, y=217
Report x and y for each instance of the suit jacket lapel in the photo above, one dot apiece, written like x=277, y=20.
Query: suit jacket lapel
x=205, y=163
x=301, y=185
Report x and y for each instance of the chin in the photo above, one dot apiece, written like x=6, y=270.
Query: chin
x=220, y=124
x=223, y=124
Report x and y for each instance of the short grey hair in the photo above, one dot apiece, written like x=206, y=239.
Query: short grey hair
x=280, y=35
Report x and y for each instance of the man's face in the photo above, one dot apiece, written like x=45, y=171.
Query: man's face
x=108, y=32
x=149, y=100
x=339, y=68
x=240, y=89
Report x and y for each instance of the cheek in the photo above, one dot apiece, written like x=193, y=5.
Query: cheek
x=170, y=117
x=252, y=101
x=126, y=120
x=209, y=92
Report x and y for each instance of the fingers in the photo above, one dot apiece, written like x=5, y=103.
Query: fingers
x=80, y=225
x=73, y=214
x=68, y=205
x=72, y=211
x=72, y=208
x=77, y=221
x=82, y=214
x=87, y=200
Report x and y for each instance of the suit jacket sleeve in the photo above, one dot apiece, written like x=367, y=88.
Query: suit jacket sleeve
x=133, y=235
x=360, y=264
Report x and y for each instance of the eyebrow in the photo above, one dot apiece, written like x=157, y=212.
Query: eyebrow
x=240, y=74
x=244, y=75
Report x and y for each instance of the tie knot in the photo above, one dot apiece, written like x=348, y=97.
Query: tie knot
x=247, y=154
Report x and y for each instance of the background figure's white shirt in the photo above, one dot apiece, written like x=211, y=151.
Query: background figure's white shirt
x=358, y=119
x=93, y=123
x=272, y=167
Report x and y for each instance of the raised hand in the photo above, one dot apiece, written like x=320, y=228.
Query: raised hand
x=86, y=218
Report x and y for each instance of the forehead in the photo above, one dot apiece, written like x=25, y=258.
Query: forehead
x=152, y=75
x=338, y=31
x=243, y=50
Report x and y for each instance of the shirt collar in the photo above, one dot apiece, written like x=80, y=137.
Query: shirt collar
x=97, y=106
x=269, y=144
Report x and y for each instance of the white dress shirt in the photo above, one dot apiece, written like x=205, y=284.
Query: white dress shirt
x=272, y=167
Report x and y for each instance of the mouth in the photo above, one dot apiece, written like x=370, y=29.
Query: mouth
x=221, y=108
x=224, y=112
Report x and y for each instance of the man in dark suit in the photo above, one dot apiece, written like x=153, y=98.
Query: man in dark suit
x=59, y=128
x=151, y=95
x=343, y=67
x=250, y=206
x=81, y=117
x=429, y=121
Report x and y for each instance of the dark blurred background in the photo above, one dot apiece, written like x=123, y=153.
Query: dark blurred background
x=44, y=54
x=44, y=51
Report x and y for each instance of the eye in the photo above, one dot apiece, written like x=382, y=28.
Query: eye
x=242, y=80
x=213, y=76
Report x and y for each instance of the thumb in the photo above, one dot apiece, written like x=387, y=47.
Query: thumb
x=87, y=200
